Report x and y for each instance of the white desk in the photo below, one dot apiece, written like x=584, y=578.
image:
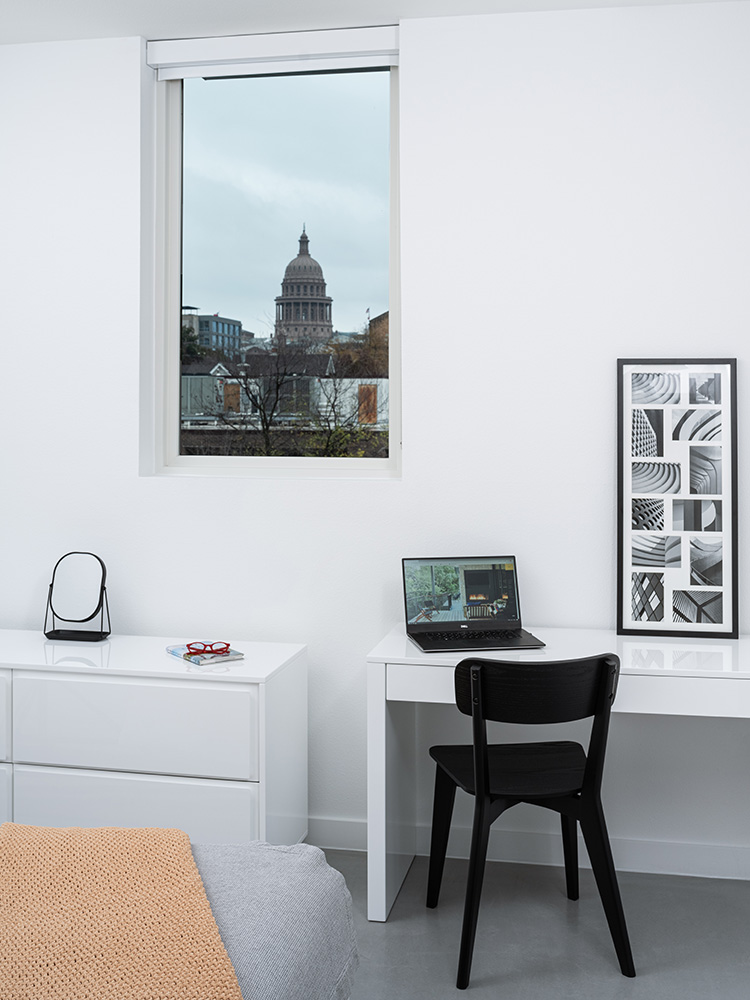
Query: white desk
x=120, y=733
x=659, y=676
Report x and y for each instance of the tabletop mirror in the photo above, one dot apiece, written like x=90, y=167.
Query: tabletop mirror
x=78, y=596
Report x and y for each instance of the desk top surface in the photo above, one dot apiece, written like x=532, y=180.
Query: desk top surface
x=646, y=655
x=141, y=656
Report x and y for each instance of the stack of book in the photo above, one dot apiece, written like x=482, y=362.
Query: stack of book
x=202, y=659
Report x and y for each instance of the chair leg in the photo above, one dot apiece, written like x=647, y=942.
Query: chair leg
x=442, y=812
x=570, y=853
x=480, y=836
x=600, y=854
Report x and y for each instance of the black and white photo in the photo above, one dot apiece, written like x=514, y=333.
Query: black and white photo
x=677, y=498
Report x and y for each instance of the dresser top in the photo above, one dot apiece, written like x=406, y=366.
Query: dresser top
x=141, y=656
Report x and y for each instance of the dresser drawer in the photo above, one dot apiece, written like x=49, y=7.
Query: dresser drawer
x=5, y=703
x=6, y=793
x=219, y=812
x=180, y=727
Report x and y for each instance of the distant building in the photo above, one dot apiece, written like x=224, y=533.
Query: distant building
x=288, y=379
x=205, y=391
x=378, y=325
x=308, y=392
x=303, y=310
x=217, y=333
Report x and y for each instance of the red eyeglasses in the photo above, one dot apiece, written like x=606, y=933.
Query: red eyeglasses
x=217, y=648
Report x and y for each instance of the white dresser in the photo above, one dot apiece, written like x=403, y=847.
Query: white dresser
x=120, y=733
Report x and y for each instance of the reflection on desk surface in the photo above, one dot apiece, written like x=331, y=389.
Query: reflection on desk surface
x=679, y=657
x=644, y=655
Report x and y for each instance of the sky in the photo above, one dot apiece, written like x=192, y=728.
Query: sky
x=265, y=156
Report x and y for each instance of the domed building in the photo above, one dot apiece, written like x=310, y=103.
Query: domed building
x=303, y=310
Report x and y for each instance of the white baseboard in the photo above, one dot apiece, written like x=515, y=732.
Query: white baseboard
x=337, y=834
x=534, y=848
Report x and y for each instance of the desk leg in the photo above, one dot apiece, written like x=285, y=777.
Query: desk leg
x=391, y=793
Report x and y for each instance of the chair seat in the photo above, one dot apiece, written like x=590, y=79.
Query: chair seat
x=518, y=770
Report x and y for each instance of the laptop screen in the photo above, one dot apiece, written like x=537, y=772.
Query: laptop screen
x=452, y=593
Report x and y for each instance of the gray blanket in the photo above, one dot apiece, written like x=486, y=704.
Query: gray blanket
x=285, y=917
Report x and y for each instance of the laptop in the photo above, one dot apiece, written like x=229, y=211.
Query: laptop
x=467, y=603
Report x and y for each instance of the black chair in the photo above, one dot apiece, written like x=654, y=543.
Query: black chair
x=556, y=775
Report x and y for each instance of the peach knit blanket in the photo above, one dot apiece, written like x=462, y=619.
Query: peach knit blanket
x=106, y=914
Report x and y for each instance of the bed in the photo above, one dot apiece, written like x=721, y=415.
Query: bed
x=108, y=912
x=285, y=917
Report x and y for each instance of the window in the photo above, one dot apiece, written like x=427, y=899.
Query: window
x=368, y=404
x=285, y=223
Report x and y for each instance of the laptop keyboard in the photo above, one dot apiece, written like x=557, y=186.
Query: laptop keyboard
x=484, y=635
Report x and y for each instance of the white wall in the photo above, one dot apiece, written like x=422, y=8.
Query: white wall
x=603, y=211
x=574, y=189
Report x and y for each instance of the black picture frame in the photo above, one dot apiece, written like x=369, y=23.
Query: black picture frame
x=677, y=498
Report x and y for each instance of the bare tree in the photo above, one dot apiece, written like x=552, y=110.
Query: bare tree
x=190, y=348
x=337, y=420
x=275, y=390
x=288, y=399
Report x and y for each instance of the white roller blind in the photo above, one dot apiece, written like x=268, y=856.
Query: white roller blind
x=293, y=52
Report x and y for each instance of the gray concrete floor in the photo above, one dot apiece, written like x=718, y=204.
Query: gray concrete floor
x=690, y=937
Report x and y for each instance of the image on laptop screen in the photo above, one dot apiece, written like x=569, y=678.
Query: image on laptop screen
x=480, y=589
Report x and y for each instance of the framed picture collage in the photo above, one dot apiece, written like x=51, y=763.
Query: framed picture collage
x=677, y=498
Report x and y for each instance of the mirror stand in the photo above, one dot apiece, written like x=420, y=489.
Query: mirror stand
x=69, y=580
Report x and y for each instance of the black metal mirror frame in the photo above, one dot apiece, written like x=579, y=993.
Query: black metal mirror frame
x=102, y=607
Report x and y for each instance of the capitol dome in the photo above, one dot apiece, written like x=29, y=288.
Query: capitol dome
x=303, y=310
x=303, y=263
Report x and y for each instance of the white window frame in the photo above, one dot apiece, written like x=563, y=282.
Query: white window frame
x=253, y=55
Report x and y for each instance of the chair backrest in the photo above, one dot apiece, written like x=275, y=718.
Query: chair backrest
x=539, y=693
